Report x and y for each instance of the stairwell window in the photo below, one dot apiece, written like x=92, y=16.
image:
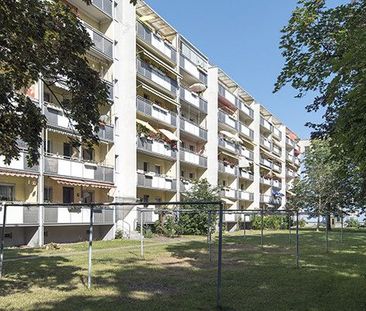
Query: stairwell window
x=7, y=192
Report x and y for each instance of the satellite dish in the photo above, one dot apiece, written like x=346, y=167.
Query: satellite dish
x=198, y=88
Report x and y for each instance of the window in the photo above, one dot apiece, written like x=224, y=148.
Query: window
x=88, y=196
x=191, y=175
x=47, y=97
x=146, y=167
x=48, y=146
x=224, y=183
x=7, y=192
x=68, y=195
x=181, y=173
x=183, y=144
x=157, y=169
x=241, y=187
x=191, y=147
x=88, y=154
x=48, y=194
x=145, y=198
x=67, y=150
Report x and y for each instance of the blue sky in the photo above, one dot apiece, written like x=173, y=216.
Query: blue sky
x=242, y=37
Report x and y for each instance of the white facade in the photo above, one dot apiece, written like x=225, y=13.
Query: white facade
x=162, y=132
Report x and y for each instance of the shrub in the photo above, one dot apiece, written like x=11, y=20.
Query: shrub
x=167, y=226
x=272, y=222
x=118, y=234
x=353, y=223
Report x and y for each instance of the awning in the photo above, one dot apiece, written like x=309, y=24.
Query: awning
x=227, y=201
x=157, y=93
x=243, y=162
x=81, y=183
x=18, y=174
x=146, y=125
x=231, y=136
x=171, y=136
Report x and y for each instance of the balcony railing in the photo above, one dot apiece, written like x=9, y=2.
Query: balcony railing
x=244, y=108
x=266, y=181
x=193, y=99
x=19, y=164
x=193, y=128
x=192, y=157
x=229, y=145
x=245, y=175
x=276, y=184
x=227, y=95
x=246, y=130
x=229, y=193
x=276, y=150
x=266, y=143
x=293, y=159
x=265, y=198
x=152, y=180
x=228, y=120
x=79, y=169
x=185, y=185
x=57, y=118
x=277, y=133
x=266, y=163
x=192, y=69
x=244, y=195
x=265, y=124
x=245, y=153
x=102, y=44
x=157, y=77
x=276, y=167
x=104, y=5
x=150, y=109
x=290, y=142
x=156, y=147
x=224, y=168
x=157, y=43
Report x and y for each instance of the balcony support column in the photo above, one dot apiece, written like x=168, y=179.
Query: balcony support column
x=41, y=169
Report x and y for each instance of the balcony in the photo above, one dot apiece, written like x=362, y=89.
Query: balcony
x=228, y=193
x=224, y=168
x=191, y=68
x=245, y=175
x=193, y=128
x=103, y=46
x=245, y=152
x=193, y=99
x=265, y=198
x=55, y=165
x=228, y=120
x=243, y=129
x=225, y=94
x=185, y=185
x=291, y=173
x=159, y=45
x=277, y=133
x=266, y=163
x=293, y=159
x=156, y=148
x=193, y=158
x=290, y=143
x=150, y=109
x=266, y=125
x=56, y=118
x=245, y=196
x=100, y=10
x=266, y=181
x=65, y=215
x=266, y=143
x=244, y=108
x=276, y=184
x=276, y=150
x=20, y=164
x=227, y=144
x=155, y=181
x=277, y=167
x=157, y=78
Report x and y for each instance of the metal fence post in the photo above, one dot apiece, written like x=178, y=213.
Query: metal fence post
x=244, y=233
x=326, y=233
x=219, y=260
x=2, y=240
x=141, y=234
x=209, y=236
x=289, y=229
x=90, y=247
x=342, y=227
x=262, y=220
x=297, y=240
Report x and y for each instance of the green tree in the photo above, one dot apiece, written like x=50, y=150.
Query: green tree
x=197, y=222
x=324, y=51
x=330, y=184
x=44, y=40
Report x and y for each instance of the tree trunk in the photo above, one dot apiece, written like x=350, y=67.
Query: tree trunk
x=318, y=223
x=328, y=222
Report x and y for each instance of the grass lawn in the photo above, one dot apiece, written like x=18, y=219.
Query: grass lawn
x=176, y=275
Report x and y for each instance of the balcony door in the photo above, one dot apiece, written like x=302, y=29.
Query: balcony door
x=68, y=195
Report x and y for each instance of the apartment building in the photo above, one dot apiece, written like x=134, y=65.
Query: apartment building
x=173, y=117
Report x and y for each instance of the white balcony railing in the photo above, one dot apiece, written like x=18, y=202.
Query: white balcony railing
x=193, y=99
x=266, y=143
x=276, y=150
x=192, y=69
x=290, y=142
x=266, y=124
x=228, y=120
x=244, y=108
x=277, y=133
x=193, y=128
x=20, y=164
x=245, y=152
x=246, y=130
x=156, y=147
x=228, y=193
x=192, y=157
x=152, y=180
x=245, y=175
x=225, y=168
x=227, y=95
x=227, y=144
x=265, y=198
x=277, y=167
x=244, y=195
x=266, y=181
x=102, y=44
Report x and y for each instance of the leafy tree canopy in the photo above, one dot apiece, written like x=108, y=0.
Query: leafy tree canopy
x=324, y=51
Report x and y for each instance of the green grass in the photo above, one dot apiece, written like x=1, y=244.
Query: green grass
x=176, y=275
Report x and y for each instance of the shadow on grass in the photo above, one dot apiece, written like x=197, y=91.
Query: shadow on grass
x=181, y=278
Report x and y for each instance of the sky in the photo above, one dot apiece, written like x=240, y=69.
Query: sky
x=242, y=38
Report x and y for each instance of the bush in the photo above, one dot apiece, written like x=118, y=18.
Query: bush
x=167, y=227
x=273, y=222
x=353, y=223
x=196, y=223
x=118, y=234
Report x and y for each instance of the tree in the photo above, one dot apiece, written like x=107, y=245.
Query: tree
x=331, y=184
x=324, y=51
x=197, y=223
